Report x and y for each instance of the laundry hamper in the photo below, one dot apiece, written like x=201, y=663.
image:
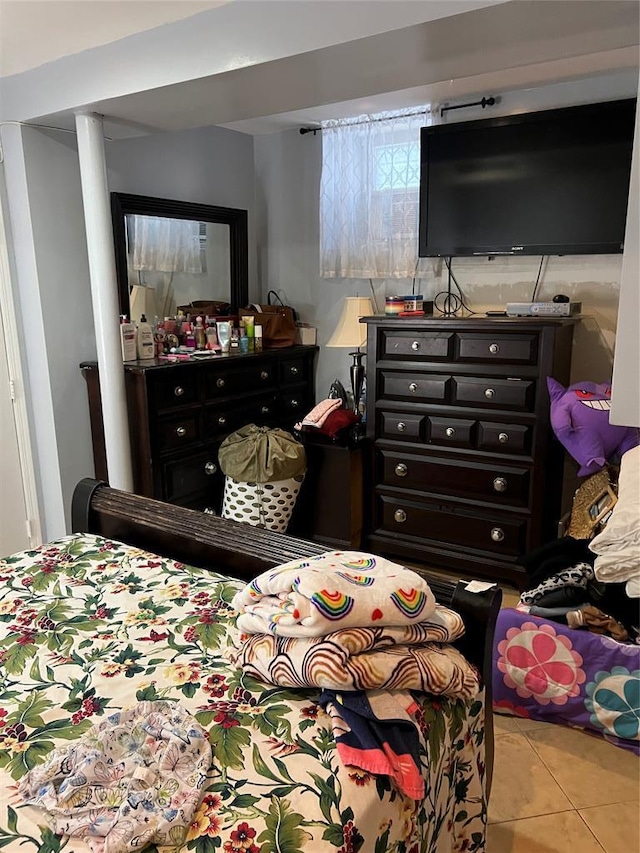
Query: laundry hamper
x=264, y=469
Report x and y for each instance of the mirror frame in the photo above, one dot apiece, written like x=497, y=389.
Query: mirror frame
x=125, y=203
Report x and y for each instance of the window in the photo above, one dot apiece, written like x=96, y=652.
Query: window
x=369, y=197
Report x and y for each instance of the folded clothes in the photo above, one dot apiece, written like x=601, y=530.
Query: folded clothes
x=375, y=732
x=318, y=415
x=566, y=596
x=412, y=657
x=578, y=576
x=339, y=589
x=555, y=556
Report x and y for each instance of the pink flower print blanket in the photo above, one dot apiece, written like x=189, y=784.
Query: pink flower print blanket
x=315, y=596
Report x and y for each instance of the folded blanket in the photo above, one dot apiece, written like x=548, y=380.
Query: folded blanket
x=374, y=732
x=338, y=589
x=409, y=658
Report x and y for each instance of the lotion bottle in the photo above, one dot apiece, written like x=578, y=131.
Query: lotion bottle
x=128, y=339
x=146, y=344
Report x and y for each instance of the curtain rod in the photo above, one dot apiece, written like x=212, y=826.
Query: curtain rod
x=409, y=113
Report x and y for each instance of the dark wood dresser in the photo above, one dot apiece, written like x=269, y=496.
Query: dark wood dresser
x=467, y=472
x=179, y=413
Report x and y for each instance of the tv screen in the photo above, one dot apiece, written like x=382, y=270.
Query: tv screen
x=554, y=182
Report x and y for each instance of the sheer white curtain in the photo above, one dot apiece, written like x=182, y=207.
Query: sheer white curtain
x=369, y=195
x=164, y=245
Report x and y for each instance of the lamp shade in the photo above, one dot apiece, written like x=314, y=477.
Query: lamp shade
x=349, y=332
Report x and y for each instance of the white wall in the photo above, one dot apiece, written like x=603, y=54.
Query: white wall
x=54, y=308
x=210, y=165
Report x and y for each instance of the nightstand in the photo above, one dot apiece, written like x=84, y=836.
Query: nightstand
x=330, y=506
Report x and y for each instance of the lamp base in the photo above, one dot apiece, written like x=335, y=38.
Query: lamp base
x=357, y=377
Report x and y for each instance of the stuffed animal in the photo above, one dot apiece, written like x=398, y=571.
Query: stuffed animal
x=580, y=420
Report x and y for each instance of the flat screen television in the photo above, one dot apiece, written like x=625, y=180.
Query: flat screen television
x=554, y=182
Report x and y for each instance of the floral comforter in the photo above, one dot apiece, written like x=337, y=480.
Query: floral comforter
x=89, y=626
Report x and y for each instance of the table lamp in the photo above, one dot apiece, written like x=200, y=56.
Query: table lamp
x=349, y=332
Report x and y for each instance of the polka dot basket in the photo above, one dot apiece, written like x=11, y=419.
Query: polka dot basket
x=267, y=505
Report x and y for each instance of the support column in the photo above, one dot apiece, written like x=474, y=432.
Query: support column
x=104, y=295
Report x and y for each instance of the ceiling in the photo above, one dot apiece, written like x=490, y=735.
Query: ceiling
x=271, y=75
x=34, y=32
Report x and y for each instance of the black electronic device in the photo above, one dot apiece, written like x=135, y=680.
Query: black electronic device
x=553, y=182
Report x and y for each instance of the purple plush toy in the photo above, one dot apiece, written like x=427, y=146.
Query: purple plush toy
x=580, y=419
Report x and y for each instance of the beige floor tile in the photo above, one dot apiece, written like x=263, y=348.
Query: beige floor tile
x=617, y=827
x=503, y=724
x=510, y=596
x=557, y=833
x=590, y=771
x=525, y=725
x=522, y=785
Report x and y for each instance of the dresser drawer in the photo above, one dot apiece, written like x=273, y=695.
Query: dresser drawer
x=292, y=370
x=226, y=383
x=417, y=387
x=417, y=344
x=294, y=403
x=492, y=483
x=499, y=534
x=514, y=394
x=191, y=475
x=176, y=388
x=450, y=431
x=224, y=419
x=504, y=438
x=178, y=431
x=501, y=349
x=407, y=427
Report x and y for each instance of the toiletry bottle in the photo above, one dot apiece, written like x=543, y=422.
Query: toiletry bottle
x=146, y=345
x=257, y=340
x=128, y=339
x=235, y=338
x=224, y=334
x=200, y=336
x=212, y=338
x=159, y=336
x=189, y=339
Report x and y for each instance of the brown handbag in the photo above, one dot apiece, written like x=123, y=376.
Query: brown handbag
x=277, y=321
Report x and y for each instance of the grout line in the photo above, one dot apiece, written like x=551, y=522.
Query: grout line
x=544, y=763
x=602, y=847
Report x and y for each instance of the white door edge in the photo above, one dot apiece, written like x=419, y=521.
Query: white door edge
x=20, y=414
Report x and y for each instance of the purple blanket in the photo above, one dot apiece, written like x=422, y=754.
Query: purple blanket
x=546, y=671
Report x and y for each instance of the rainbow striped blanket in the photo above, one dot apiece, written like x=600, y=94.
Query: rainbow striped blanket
x=412, y=657
x=339, y=589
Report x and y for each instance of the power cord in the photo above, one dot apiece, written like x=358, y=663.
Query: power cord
x=535, y=287
x=451, y=303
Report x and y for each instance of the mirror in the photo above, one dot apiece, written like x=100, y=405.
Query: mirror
x=171, y=254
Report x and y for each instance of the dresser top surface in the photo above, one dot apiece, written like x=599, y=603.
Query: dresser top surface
x=476, y=323
x=149, y=364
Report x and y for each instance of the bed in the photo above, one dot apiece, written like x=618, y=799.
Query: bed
x=135, y=607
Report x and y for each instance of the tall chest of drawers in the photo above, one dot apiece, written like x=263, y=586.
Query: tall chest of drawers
x=179, y=413
x=467, y=474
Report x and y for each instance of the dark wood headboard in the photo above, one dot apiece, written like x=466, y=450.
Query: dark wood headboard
x=243, y=551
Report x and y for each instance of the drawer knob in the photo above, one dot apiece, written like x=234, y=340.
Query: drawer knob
x=265, y=410
x=264, y=374
x=449, y=432
x=500, y=484
x=503, y=437
x=413, y=387
x=210, y=468
x=494, y=348
x=293, y=371
x=400, y=515
x=294, y=404
x=401, y=469
x=209, y=510
x=401, y=426
x=489, y=393
x=497, y=534
x=220, y=382
x=178, y=390
x=415, y=345
x=222, y=420
x=181, y=432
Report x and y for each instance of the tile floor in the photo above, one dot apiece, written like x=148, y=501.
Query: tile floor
x=560, y=790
